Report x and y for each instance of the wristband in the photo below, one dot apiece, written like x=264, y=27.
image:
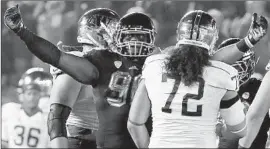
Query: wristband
x=244, y=45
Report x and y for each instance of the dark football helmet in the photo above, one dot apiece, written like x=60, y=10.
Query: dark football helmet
x=245, y=65
x=197, y=28
x=35, y=78
x=90, y=23
x=135, y=24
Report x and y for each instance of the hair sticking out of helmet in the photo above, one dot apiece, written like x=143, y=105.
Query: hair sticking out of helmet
x=135, y=35
x=245, y=65
x=197, y=28
x=35, y=78
x=92, y=21
x=186, y=62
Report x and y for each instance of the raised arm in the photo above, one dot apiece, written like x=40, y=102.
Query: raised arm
x=230, y=54
x=77, y=67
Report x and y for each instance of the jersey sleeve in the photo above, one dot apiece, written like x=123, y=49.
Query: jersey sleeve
x=56, y=72
x=221, y=75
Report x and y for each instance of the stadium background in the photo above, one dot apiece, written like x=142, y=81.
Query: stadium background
x=57, y=20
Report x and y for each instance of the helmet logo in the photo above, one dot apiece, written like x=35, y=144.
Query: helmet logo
x=117, y=64
x=245, y=95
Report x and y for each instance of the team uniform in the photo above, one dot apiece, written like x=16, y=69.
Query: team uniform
x=186, y=116
x=82, y=122
x=21, y=130
x=113, y=93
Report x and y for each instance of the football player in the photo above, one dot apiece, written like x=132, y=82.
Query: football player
x=256, y=115
x=93, y=69
x=24, y=124
x=247, y=91
x=185, y=90
x=113, y=71
x=82, y=122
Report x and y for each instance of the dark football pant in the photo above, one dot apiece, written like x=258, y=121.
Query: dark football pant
x=81, y=138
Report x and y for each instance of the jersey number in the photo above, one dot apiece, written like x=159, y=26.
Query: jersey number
x=32, y=140
x=185, y=111
x=120, y=88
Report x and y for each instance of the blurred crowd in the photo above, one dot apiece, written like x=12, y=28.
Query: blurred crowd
x=57, y=21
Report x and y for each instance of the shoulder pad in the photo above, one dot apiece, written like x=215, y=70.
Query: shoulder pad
x=168, y=49
x=153, y=60
x=56, y=71
x=11, y=106
x=221, y=75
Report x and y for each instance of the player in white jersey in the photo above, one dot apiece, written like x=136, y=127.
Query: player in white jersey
x=185, y=91
x=24, y=125
x=257, y=111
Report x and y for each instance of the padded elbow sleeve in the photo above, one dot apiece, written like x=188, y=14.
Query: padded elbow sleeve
x=57, y=120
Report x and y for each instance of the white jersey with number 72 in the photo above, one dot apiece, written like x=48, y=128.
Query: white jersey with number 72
x=185, y=116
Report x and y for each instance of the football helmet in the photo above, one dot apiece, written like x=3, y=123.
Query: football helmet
x=135, y=24
x=35, y=78
x=245, y=65
x=90, y=23
x=197, y=28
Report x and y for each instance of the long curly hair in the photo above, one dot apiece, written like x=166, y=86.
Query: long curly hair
x=187, y=62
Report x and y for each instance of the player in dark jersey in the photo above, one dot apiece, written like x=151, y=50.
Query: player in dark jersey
x=113, y=72
x=82, y=122
x=247, y=91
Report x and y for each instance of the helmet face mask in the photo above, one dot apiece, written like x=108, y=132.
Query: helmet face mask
x=245, y=66
x=144, y=35
x=197, y=28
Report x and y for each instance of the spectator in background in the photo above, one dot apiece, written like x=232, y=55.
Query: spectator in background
x=229, y=11
x=52, y=25
x=219, y=17
x=263, y=47
x=20, y=58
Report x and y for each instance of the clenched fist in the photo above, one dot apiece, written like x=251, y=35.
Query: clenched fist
x=13, y=19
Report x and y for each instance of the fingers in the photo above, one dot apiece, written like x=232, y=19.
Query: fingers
x=263, y=22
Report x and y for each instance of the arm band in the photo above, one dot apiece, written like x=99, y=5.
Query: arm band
x=244, y=45
x=228, y=103
x=134, y=123
x=57, y=120
x=40, y=47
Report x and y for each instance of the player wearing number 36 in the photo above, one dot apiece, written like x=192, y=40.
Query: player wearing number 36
x=185, y=91
x=24, y=125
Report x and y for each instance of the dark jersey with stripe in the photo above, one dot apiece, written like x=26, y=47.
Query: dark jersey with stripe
x=113, y=92
x=247, y=94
